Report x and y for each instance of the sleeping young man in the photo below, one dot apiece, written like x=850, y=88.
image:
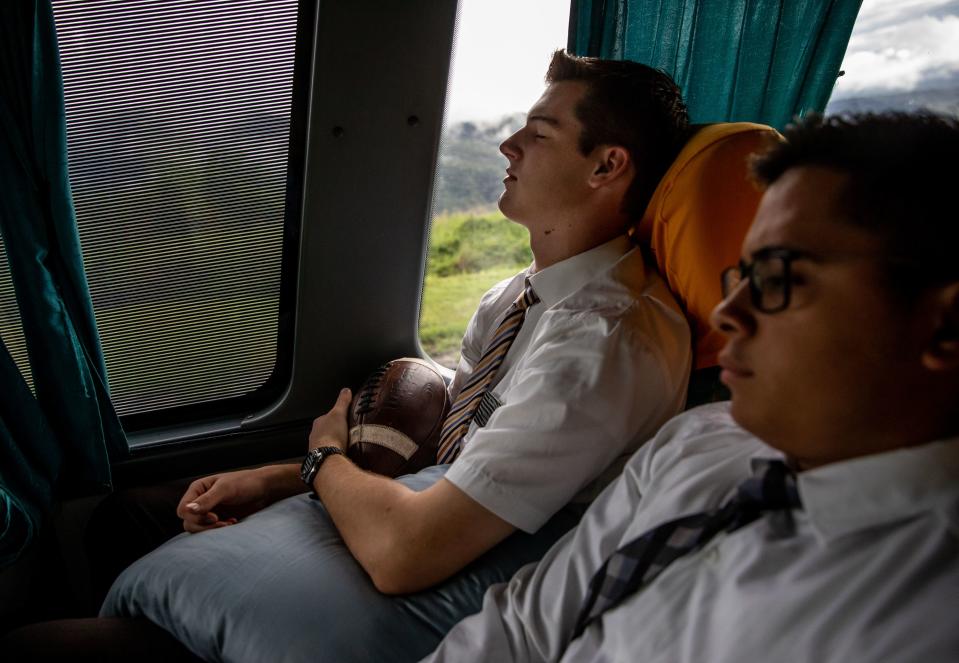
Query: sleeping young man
x=816, y=516
x=583, y=356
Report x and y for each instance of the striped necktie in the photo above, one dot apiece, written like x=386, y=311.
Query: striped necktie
x=638, y=562
x=468, y=400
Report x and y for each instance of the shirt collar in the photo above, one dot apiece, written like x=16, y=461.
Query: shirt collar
x=844, y=497
x=556, y=282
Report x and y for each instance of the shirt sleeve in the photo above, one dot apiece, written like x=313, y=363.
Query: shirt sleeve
x=589, y=390
x=531, y=618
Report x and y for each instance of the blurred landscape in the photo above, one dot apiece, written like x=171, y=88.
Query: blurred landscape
x=940, y=99
x=472, y=245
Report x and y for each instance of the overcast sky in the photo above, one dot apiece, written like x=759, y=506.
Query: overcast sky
x=503, y=47
x=901, y=45
x=501, y=53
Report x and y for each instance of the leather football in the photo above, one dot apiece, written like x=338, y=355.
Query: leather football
x=396, y=418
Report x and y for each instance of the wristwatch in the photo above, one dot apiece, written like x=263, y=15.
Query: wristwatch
x=311, y=464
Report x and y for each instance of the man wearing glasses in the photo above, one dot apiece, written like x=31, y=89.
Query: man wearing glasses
x=815, y=516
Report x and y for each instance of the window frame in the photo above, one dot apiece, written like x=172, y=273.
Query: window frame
x=197, y=415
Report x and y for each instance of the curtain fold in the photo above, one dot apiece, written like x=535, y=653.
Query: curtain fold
x=759, y=61
x=59, y=441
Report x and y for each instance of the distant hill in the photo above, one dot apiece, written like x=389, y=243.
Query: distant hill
x=471, y=168
x=940, y=100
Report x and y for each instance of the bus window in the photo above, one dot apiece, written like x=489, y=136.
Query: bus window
x=183, y=136
x=472, y=246
x=903, y=57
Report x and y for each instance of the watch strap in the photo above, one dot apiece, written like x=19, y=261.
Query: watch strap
x=314, y=459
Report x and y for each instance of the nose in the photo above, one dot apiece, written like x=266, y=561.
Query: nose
x=733, y=315
x=510, y=148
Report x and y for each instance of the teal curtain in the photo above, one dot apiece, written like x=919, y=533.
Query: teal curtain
x=735, y=60
x=58, y=442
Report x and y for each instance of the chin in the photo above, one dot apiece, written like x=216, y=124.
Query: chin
x=748, y=418
x=511, y=213
x=505, y=207
x=767, y=425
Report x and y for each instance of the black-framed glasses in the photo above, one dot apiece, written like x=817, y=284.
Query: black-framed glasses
x=769, y=278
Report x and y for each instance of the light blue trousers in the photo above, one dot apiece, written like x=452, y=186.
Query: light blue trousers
x=282, y=586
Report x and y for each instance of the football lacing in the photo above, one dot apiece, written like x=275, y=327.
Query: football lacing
x=368, y=393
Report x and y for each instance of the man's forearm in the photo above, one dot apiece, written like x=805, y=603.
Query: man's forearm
x=282, y=481
x=406, y=540
x=370, y=511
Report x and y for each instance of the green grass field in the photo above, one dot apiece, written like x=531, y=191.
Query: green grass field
x=468, y=254
x=448, y=304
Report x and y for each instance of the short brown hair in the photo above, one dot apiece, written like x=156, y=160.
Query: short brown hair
x=901, y=184
x=630, y=105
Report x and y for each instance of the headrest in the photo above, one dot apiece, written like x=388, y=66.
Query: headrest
x=697, y=218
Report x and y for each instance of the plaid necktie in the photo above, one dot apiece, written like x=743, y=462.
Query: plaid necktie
x=641, y=560
x=468, y=400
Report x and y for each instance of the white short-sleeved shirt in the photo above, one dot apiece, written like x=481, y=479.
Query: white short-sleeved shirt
x=602, y=361
x=871, y=573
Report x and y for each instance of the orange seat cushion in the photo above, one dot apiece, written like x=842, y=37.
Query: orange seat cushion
x=697, y=218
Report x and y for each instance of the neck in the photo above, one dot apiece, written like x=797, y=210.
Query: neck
x=555, y=242
x=873, y=441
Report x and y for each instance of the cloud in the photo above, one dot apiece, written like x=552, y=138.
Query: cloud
x=900, y=46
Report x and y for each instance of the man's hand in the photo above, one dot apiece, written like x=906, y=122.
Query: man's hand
x=221, y=499
x=330, y=430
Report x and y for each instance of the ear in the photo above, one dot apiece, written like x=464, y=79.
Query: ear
x=612, y=163
x=942, y=354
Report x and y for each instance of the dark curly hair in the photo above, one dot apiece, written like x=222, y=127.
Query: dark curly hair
x=630, y=105
x=901, y=170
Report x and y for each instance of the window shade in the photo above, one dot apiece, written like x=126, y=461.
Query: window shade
x=179, y=135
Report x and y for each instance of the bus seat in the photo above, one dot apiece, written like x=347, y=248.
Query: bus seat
x=694, y=227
